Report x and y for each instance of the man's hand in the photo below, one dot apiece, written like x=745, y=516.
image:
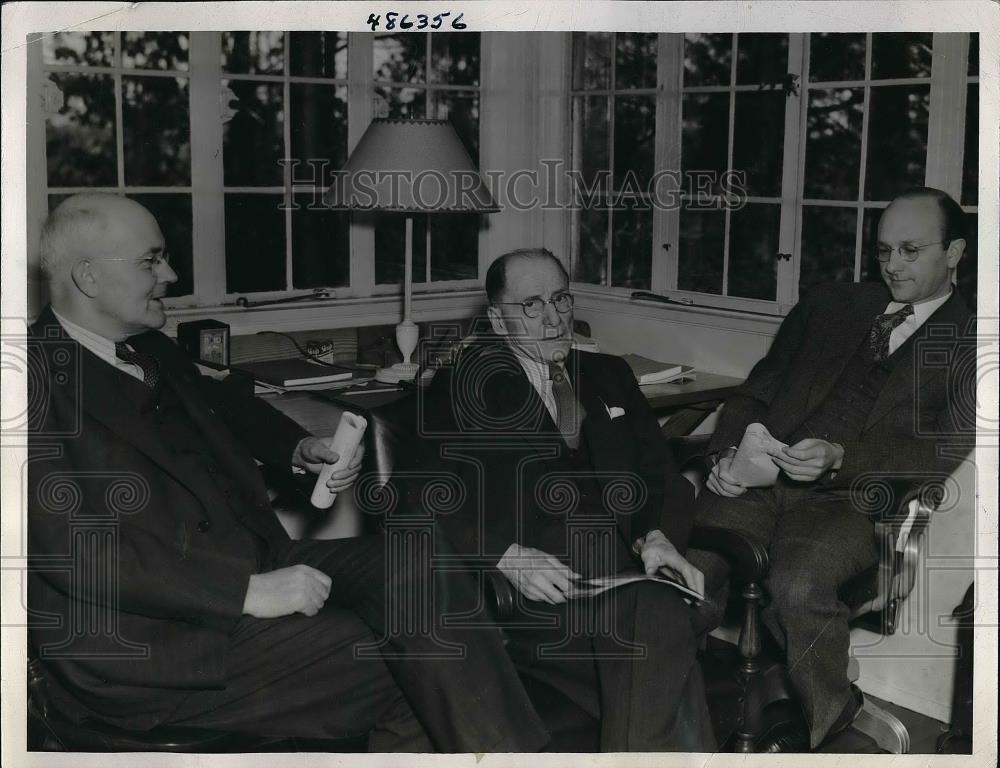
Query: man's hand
x=537, y=575
x=809, y=459
x=658, y=554
x=297, y=589
x=721, y=480
x=312, y=453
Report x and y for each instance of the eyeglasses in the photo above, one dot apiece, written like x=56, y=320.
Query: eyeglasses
x=907, y=251
x=151, y=260
x=563, y=302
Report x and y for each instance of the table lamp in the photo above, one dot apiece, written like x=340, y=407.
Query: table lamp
x=409, y=166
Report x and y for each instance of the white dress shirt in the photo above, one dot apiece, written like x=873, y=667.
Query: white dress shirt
x=100, y=346
x=908, y=327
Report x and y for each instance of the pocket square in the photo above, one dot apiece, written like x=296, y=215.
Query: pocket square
x=614, y=412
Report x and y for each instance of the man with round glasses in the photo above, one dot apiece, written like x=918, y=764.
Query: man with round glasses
x=851, y=385
x=567, y=477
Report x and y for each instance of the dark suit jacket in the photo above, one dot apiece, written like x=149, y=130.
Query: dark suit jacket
x=928, y=400
x=490, y=427
x=178, y=564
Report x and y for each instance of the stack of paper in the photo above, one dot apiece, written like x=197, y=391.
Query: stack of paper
x=654, y=372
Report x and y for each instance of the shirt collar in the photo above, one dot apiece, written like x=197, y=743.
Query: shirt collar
x=921, y=310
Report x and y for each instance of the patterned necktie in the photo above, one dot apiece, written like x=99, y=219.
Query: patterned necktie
x=149, y=365
x=882, y=328
x=568, y=411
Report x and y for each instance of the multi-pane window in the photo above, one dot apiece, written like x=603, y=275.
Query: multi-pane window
x=733, y=103
x=868, y=104
x=123, y=126
x=429, y=75
x=785, y=149
x=286, y=94
x=613, y=145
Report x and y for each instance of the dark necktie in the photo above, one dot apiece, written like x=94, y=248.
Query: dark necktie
x=569, y=413
x=882, y=328
x=149, y=365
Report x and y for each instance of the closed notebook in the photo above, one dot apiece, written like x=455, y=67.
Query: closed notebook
x=293, y=372
x=654, y=372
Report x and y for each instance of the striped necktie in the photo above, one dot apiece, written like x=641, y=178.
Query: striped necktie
x=569, y=412
x=882, y=328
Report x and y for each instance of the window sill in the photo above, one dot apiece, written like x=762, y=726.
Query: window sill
x=332, y=313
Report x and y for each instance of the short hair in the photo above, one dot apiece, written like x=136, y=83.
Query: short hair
x=496, y=275
x=952, y=215
x=72, y=219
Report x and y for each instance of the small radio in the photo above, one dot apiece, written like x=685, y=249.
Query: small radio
x=205, y=340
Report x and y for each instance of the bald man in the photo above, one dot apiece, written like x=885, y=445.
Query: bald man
x=870, y=385
x=169, y=590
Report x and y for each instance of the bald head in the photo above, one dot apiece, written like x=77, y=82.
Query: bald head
x=103, y=257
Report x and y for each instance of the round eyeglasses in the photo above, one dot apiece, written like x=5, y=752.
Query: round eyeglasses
x=153, y=259
x=563, y=303
x=907, y=251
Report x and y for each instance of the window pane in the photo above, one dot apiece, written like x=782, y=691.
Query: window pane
x=833, y=143
x=402, y=102
x=319, y=124
x=974, y=53
x=753, y=247
x=157, y=131
x=454, y=246
x=834, y=56
x=96, y=49
x=80, y=140
x=758, y=136
x=970, y=159
x=462, y=109
x=253, y=53
x=390, y=247
x=707, y=59
x=632, y=248
x=591, y=135
x=252, y=140
x=635, y=60
x=591, y=60
x=255, y=243
x=761, y=58
x=702, y=251
x=321, y=255
x=827, y=245
x=901, y=54
x=869, y=241
x=897, y=140
x=400, y=58
x=173, y=214
x=318, y=54
x=705, y=134
x=455, y=58
x=591, y=263
x=968, y=267
x=155, y=50
x=635, y=134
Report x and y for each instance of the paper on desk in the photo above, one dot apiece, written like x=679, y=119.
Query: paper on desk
x=752, y=465
x=345, y=441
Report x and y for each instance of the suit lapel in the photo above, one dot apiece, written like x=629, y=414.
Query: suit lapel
x=840, y=343
x=606, y=438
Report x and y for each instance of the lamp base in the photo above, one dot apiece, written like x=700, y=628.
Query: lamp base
x=397, y=373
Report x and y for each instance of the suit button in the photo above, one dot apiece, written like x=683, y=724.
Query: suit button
x=204, y=526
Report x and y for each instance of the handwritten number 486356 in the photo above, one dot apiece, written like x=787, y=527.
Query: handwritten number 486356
x=423, y=21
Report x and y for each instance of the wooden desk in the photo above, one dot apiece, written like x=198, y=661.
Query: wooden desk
x=703, y=387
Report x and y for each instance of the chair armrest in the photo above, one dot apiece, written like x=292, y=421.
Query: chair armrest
x=747, y=556
x=499, y=594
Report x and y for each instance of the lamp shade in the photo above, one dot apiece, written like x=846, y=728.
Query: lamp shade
x=410, y=165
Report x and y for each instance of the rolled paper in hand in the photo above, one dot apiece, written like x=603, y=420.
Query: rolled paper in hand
x=349, y=434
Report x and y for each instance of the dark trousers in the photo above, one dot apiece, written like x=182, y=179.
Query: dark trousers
x=815, y=544
x=625, y=658
x=367, y=662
